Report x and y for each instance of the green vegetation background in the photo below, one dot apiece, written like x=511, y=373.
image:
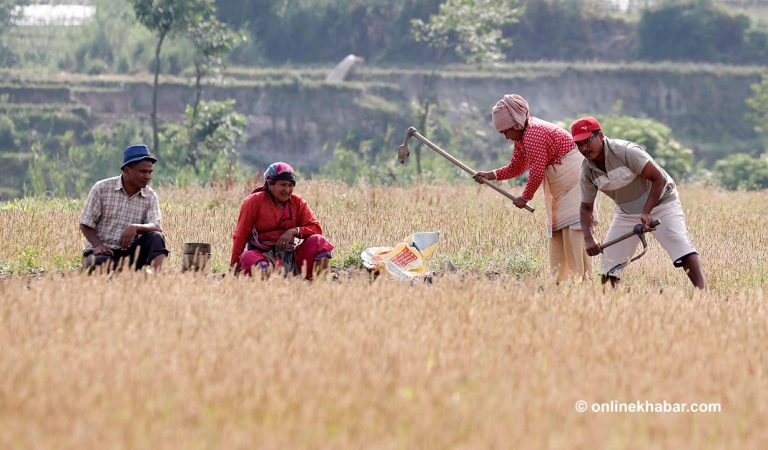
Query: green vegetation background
x=54, y=149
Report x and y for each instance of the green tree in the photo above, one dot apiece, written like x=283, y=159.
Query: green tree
x=206, y=148
x=166, y=18
x=567, y=30
x=213, y=41
x=9, y=10
x=370, y=160
x=696, y=30
x=74, y=168
x=470, y=29
x=742, y=171
x=655, y=137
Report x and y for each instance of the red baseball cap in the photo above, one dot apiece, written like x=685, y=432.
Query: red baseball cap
x=582, y=128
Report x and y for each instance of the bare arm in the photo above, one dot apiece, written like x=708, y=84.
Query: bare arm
x=653, y=174
x=483, y=175
x=132, y=230
x=515, y=168
x=286, y=239
x=93, y=237
x=144, y=228
x=585, y=215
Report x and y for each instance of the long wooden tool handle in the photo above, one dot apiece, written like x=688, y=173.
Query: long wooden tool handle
x=654, y=223
x=463, y=166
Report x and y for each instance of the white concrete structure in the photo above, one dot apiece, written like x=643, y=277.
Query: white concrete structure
x=55, y=15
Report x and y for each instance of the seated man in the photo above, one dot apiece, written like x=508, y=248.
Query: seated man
x=271, y=218
x=122, y=217
x=642, y=190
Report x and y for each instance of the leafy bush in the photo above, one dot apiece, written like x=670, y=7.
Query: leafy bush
x=656, y=138
x=301, y=32
x=96, y=67
x=76, y=165
x=66, y=158
x=349, y=259
x=742, y=171
x=204, y=149
x=574, y=30
x=373, y=159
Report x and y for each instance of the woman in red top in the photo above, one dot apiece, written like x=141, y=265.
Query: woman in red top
x=550, y=156
x=272, y=218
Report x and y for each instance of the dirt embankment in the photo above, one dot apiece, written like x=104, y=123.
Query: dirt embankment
x=298, y=117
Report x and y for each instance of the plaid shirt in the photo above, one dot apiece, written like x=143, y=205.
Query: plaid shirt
x=109, y=210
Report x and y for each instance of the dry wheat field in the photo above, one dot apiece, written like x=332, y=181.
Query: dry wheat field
x=494, y=355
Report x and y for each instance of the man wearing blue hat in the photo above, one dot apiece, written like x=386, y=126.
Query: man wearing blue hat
x=122, y=219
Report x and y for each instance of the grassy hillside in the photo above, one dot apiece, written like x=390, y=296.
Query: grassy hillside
x=292, y=113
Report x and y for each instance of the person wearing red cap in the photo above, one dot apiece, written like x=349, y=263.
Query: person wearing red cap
x=642, y=190
x=548, y=153
x=272, y=220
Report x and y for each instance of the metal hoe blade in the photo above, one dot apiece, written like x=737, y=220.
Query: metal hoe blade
x=637, y=230
x=403, y=153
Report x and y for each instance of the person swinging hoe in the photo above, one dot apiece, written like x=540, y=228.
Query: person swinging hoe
x=642, y=190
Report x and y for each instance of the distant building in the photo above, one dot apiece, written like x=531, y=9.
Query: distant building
x=633, y=6
x=344, y=68
x=44, y=14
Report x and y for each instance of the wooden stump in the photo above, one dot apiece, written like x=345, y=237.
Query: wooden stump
x=196, y=256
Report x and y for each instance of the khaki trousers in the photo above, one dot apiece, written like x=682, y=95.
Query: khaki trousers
x=567, y=257
x=562, y=195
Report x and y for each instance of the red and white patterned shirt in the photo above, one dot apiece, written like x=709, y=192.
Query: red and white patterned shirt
x=543, y=144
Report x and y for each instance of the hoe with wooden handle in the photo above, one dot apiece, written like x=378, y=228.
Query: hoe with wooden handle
x=403, y=152
x=637, y=230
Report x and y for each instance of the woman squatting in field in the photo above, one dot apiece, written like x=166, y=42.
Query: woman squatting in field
x=272, y=219
x=550, y=156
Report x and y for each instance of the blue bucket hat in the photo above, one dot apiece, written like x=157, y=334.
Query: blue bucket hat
x=135, y=153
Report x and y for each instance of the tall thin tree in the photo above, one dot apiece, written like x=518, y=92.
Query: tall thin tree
x=213, y=42
x=471, y=29
x=166, y=18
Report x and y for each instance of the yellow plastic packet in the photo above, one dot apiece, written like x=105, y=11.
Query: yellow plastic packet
x=406, y=259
